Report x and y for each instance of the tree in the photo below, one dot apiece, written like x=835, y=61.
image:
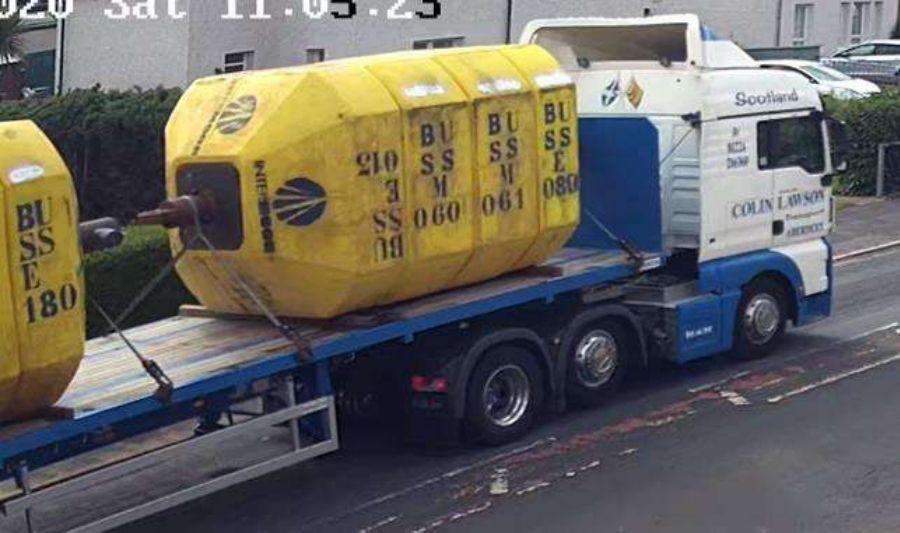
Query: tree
x=11, y=45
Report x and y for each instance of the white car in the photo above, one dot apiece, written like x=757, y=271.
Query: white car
x=828, y=81
x=884, y=50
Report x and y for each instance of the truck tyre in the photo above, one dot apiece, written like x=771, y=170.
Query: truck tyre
x=504, y=395
x=598, y=360
x=761, y=319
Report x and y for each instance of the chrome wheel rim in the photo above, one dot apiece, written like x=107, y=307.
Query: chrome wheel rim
x=596, y=358
x=506, y=395
x=762, y=319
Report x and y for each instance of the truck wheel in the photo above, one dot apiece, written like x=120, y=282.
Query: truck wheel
x=761, y=319
x=504, y=395
x=597, y=363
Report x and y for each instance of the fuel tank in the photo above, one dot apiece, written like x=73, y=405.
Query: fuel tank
x=42, y=319
x=361, y=182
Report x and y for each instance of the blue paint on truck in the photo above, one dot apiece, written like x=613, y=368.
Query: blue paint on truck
x=621, y=192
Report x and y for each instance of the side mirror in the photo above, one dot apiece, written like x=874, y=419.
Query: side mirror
x=837, y=135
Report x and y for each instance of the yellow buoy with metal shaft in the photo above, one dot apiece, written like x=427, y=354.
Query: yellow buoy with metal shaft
x=42, y=319
x=335, y=187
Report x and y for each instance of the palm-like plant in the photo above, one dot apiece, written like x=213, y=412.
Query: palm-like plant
x=11, y=45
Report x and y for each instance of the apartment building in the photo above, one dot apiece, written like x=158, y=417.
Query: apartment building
x=201, y=37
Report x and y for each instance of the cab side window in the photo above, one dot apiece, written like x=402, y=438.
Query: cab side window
x=791, y=142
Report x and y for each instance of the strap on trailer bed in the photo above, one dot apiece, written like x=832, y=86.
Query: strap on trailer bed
x=214, y=361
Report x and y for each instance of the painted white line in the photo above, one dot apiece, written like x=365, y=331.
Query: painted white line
x=874, y=331
x=734, y=398
x=833, y=379
x=379, y=525
x=866, y=251
x=589, y=466
x=713, y=385
x=432, y=481
x=532, y=488
x=469, y=512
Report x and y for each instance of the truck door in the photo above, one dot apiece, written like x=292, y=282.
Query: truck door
x=736, y=196
x=793, y=148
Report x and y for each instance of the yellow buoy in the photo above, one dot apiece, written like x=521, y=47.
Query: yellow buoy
x=41, y=288
x=361, y=182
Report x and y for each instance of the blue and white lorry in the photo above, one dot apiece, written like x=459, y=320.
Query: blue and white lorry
x=706, y=194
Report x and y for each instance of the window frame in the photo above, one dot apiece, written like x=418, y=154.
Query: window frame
x=232, y=66
x=439, y=43
x=319, y=52
x=803, y=21
x=764, y=146
x=863, y=9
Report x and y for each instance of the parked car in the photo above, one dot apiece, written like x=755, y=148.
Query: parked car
x=885, y=50
x=877, y=61
x=828, y=81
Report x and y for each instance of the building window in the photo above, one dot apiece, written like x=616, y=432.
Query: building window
x=803, y=21
x=315, y=55
x=859, y=21
x=238, y=61
x=878, y=19
x=444, y=42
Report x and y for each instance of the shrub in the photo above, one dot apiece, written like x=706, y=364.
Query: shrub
x=114, y=278
x=112, y=142
x=869, y=122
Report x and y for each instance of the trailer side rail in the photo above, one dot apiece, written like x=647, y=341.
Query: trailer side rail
x=273, y=356
x=33, y=498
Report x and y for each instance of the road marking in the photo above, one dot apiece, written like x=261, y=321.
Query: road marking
x=833, y=379
x=874, y=331
x=589, y=466
x=379, y=525
x=734, y=398
x=713, y=385
x=454, y=517
x=429, y=482
x=532, y=488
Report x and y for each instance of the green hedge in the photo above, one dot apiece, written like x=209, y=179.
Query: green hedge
x=112, y=142
x=869, y=122
x=115, y=277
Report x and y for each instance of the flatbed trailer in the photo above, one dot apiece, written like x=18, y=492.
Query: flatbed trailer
x=217, y=364
x=700, y=233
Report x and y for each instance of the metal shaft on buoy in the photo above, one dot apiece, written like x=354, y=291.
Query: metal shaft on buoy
x=181, y=212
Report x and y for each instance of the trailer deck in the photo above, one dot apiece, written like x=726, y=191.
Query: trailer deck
x=205, y=357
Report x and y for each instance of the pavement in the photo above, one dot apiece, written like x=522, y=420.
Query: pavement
x=805, y=440
x=867, y=223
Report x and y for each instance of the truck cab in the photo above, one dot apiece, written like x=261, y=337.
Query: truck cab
x=692, y=153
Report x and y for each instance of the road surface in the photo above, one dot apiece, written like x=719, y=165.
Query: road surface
x=806, y=440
